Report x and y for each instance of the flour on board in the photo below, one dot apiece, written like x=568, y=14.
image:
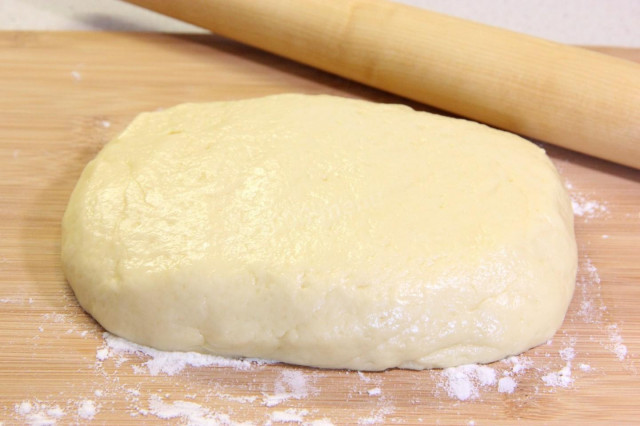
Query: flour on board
x=169, y=363
x=87, y=409
x=583, y=206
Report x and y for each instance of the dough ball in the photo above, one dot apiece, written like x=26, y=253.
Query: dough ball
x=322, y=231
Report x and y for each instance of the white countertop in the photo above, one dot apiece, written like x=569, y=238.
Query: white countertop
x=586, y=22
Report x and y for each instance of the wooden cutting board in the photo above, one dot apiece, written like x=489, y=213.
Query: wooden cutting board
x=64, y=95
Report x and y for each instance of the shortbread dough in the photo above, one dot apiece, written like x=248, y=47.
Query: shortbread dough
x=322, y=231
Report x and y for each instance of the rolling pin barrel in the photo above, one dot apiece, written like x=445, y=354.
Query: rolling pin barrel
x=571, y=97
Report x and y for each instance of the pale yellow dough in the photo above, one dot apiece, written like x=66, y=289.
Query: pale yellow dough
x=322, y=231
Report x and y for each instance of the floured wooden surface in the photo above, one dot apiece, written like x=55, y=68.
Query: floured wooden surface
x=64, y=95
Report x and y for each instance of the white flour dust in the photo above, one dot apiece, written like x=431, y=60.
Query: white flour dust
x=507, y=385
x=588, y=285
x=169, y=363
x=592, y=309
x=616, y=344
x=467, y=382
x=463, y=382
x=291, y=384
x=561, y=377
x=87, y=409
x=379, y=417
x=374, y=392
x=190, y=412
x=585, y=207
x=288, y=416
x=320, y=422
x=36, y=413
x=40, y=413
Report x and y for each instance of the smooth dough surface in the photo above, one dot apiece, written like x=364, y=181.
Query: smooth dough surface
x=322, y=231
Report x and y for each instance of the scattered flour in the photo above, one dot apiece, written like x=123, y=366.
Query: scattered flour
x=35, y=413
x=616, y=345
x=568, y=353
x=54, y=317
x=377, y=418
x=102, y=354
x=370, y=420
x=288, y=416
x=585, y=367
x=134, y=392
x=374, y=392
x=76, y=75
x=169, y=363
x=320, y=422
x=506, y=385
x=560, y=378
x=87, y=409
x=273, y=400
x=563, y=377
x=588, y=209
x=191, y=412
x=55, y=412
x=363, y=377
x=291, y=384
x=584, y=207
x=24, y=407
x=519, y=364
x=463, y=382
x=591, y=308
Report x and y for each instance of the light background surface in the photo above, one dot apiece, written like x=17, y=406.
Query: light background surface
x=587, y=22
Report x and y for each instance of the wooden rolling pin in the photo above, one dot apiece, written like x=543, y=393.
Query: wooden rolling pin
x=575, y=98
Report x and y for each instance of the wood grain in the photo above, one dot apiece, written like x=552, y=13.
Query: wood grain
x=64, y=95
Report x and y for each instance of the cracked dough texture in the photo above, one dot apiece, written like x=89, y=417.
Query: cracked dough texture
x=322, y=231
